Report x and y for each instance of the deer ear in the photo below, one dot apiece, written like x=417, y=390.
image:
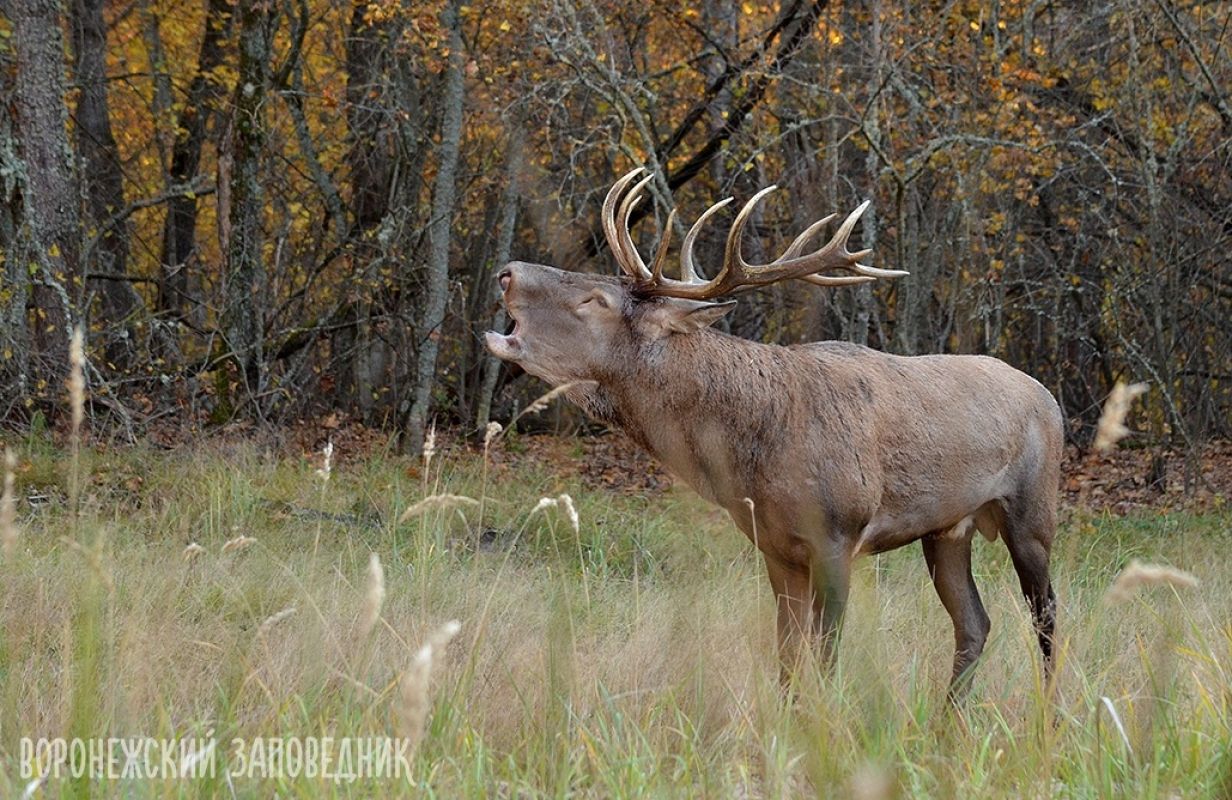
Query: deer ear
x=673, y=315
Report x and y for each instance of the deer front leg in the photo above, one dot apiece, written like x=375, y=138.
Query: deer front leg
x=809, y=602
x=793, y=597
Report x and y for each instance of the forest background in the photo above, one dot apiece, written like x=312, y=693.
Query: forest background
x=274, y=210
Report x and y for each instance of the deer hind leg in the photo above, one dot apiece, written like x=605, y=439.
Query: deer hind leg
x=831, y=578
x=1028, y=532
x=948, y=556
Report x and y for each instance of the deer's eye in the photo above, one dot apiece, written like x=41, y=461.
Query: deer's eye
x=597, y=298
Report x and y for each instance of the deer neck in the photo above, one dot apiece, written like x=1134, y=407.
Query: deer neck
x=691, y=402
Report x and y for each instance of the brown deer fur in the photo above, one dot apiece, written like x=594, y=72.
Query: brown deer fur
x=842, y=450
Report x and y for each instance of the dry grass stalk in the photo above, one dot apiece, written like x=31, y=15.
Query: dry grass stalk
x=94, y=558
x=8, y=507
x=413, y=701
x=1111, y=428
x=192, y=551
x=495, y=430
x=1137, y=575
x=436, y=502
x=32, y=788
x=374, y=598
x=542, y=403
x=1116, y=721
x=195, y=757
x=566, y=502
x=544, y=400
x=748, y=501
x=238, y=544
x=77, y=400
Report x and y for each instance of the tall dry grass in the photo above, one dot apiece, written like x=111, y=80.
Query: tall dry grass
x=604, y=646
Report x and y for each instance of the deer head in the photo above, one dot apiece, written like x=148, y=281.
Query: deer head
x=571, y=326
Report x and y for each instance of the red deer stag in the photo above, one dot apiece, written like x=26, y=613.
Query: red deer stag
x=842, y=450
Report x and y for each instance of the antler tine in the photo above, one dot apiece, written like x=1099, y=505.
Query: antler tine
x=797, y=245
x=733, y=261
x=836, y=280
x=635, y=196
x=656, y=269
x=837, y=246
x=608, y=219
x=874, y=272
x=688, y=273
x=833, y=255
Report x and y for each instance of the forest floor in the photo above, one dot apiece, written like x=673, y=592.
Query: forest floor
x=1130, y=478
x=632, y=655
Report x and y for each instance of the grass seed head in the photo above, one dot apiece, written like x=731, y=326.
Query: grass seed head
x=429, y=448
x=1111, y=428
x=544, y=504
x=76, y=378
x=436, y=502
x=542, y=403
x=414, y=699
x=8, y=507
x=1137, y=575
x=374, y=598
x=327, y=464
x=490, y=433
x=193, y=550
x=238, y=544
x=274, y=619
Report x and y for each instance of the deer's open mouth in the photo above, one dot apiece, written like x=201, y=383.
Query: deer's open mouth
x=505, y=346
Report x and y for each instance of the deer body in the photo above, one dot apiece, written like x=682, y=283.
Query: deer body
x=819, y=452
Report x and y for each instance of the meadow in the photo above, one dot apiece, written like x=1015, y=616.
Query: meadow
x=232, y=592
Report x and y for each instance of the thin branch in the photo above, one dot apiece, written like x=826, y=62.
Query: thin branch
x=197, y=188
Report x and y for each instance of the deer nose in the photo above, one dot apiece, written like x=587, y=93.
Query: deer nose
x=505, y=277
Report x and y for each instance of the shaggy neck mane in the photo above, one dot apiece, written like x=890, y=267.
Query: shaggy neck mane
x=669, y=394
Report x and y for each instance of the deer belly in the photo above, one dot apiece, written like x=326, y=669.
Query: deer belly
x=889, y=531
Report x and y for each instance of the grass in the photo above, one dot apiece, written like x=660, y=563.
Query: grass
x=633, y=657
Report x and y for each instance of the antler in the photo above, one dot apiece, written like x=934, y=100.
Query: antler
x=736, y=274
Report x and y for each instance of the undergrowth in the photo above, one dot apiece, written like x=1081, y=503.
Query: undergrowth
x=230, y=593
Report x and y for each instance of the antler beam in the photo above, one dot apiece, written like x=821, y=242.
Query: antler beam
x=736, y=273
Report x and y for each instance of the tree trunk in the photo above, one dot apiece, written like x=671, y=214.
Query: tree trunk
x=432, y=315
x=372, y=156
x=104, y=182
x=175, y=294
x=372, y=145
x=243, y=324
x=14, y=330
x=49, y=202
x=863, y=293
x=504, y=243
